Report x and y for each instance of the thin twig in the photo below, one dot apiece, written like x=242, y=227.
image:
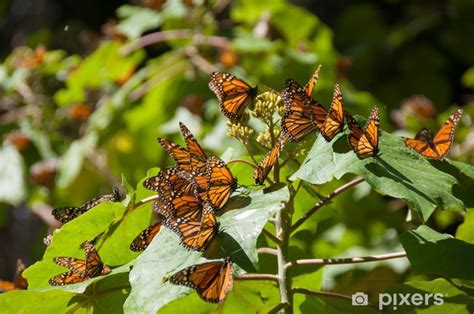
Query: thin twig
x=324, y=201
x=242, y=161
x=146, y=200
x=346, y=260
x=279, y=307
x=155, y=38
x=257, y=277
x=270, y=235
x=166, y=74
x=266, y=250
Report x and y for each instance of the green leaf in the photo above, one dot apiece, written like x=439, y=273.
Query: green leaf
x=67, y=241
x=12, y=176
x=430, y=252
x=71, y=162
x=240, y=225
x=245, y=297
x=105, y=295
x=437, y=296
x=137, y=20
x=397, y=171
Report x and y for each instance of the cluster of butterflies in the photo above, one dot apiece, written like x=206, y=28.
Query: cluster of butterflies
x=303, y=115
x=191, y=194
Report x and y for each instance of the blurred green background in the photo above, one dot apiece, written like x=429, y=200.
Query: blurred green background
x=87, y=86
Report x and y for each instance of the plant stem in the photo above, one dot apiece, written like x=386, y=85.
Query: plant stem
x=267, y=250
x=324, y=201
x=282, y=226
x=257, y=277
x=347, y=260
x=269, y=235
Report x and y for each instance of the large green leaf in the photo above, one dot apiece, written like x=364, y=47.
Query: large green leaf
x=67, y=241
x=240, y=225
x=102, y=295
x=397, y=171
x=435, y=253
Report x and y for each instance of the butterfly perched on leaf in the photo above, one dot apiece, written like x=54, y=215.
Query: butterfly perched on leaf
x=220, y=182
x=80, y=270
x=66, y=214
x=297, y=120
x=268, y=161
x=195, y=234
x=19, y=282
x=192, y=158
x=212, y=281
x=364, y=141
x=233, y=93
x=436, y=146
x=144, y=238
x=330, y=123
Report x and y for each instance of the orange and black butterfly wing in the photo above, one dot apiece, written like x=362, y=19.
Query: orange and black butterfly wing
x=371, y=129
x=212, y=281
x=6, y=286
x=195, y=234
x=66, y=214
x=178, y=153
x=438, y=146
x=75, y=265
x=195, y=150
x=334, y=122
x=233, y=93
x=362, y=143
x=221, y=183
x=94, y=265
x=66, y=279
x=168, y=179
x=268, y=161
x=309, y=87
x=296, y=121
x=144, y=238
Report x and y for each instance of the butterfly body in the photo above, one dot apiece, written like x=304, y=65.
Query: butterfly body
x=268, y=161
x=435, y=146
x=212, y=281
x=233, y=93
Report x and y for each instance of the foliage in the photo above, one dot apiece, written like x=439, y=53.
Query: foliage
x=77, y=126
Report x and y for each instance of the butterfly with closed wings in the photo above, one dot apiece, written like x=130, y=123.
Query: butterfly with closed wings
x=364, y=141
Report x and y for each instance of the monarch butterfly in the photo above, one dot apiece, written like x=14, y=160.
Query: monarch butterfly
x=195, y=234
x=80, y=270
x=364, y=142
x=330, y=123
x=169, y=181
x=233, y=93
x=435, y=146
x=212, y=281
x=268, y=161
x=66, y=214
x=19, y=283
x=191, y=159
x=220, y=182
x=297, y=121
x=143, y=239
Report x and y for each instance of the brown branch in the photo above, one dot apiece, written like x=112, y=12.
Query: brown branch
x=257, y=277
x=146, y=200
x=279, y=307
x=269, y=235
x=324, y=201
x=347, y=260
